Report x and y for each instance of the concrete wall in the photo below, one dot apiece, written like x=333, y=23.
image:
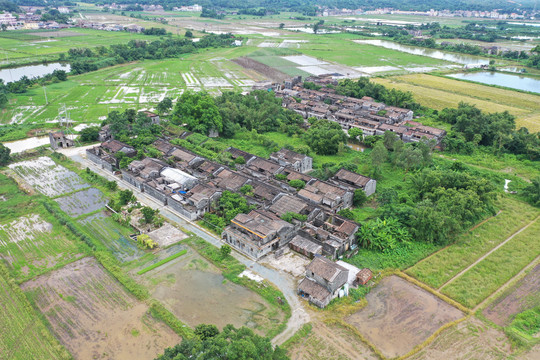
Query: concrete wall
x=182, y=210
x=155, y=193
x=131, y=179
x=370, y=187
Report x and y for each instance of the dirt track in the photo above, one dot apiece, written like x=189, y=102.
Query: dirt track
x=400, y=316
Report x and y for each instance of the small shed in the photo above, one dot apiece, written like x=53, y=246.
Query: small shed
x=363, y=277
x=305, y=246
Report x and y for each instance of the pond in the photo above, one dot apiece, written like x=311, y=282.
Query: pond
x=14, y=74
x=519, y=82
x=436, y=54
x=356, y=147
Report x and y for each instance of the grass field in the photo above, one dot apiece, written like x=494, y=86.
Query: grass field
x=37, y=45
x=445, y=264
x=23, y=335
x=483, y=279
x=439, y=92
x=113, y=235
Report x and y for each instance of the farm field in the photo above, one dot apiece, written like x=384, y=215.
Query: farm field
x=113, y=235
x=89, y=97
x=31, y=245
x=94, y=317
x=440, y=267
x=82, y=202
x=522, y=296
x=401, y=311
x=47, y=177
x=29, y=46
x=330, y=342
x=189, y=281
x=492, y=272
x=27, y=338
x=439, y=92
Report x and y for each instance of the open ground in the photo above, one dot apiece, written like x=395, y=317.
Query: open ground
x=94, y=317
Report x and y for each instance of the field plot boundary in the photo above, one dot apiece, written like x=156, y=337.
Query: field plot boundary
x=488, y=253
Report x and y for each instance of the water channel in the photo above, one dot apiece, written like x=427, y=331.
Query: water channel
x=513, y=81
x=14, y=74
x=436, y=54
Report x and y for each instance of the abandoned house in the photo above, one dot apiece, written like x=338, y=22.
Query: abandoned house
x=324, y=279
x=59, y=140
x=294, y=160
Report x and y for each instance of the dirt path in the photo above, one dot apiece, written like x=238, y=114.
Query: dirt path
x=507, y=284
x=487, y=254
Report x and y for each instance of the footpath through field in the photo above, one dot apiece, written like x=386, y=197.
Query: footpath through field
x=487, y=254
x=284, y=282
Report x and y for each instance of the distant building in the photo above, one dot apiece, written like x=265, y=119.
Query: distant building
x=60, y=140
x=152, y=116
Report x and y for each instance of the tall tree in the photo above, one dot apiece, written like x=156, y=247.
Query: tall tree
x=199, y=111
x=324, y=137
x=4, y=154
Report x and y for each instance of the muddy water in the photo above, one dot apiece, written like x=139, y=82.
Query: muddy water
x=197, y=293
x=436, y=54
x=357, y=147
x=26, y=144
x=30, y=71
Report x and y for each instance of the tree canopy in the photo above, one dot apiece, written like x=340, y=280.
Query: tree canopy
x=199, y=111
x=324, y=137
x=229, y=344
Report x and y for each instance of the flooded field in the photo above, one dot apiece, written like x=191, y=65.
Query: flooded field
x=30, y=245
x=403, y=312
x=507, y=80
x=30, y=71
x=94, y=317
x=26, y=144
x=113, y=235
x=196, y=292
x=47, y=177
x=82, y=202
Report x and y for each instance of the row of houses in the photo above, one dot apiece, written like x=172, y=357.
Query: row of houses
x=372, y=117
x=191, y=185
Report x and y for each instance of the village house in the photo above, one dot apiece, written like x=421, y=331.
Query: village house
x=334, y=233
x=194, y=203
x=292, y=204
x=258, y=233
x=305, y=246
x=227, y=179
x=152, y=116
x=262, y=168
x=294, y=160
x=140, y=171
x=60, y=140
x=105, y=155
x=323, y=282
x=325, y=194
x=348, y=179
x=236, y=153
x=185, y=158
x=105, y=133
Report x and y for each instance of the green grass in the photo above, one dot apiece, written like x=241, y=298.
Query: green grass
x=487, y=276
x=161, y=262
x=442, y=266
x=24, y=336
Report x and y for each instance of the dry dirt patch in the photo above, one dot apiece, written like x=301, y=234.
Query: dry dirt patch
x=290, y=262
x=470, y=339
x=327, y=342
x=400, y=316
x=167, y=235
x=94, y=317
x=524, y=295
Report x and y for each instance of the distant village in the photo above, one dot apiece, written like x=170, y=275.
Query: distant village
x=306, y=220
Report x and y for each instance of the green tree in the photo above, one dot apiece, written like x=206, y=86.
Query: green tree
x=164, y=105
x=240, y=160
x=298, y=184
x=359, y=197
x=198, y=111
x=230, y=344
x=4, y=154
x=389, y=140
x=225, y=250
x=409, y=158
x=188, y=34
x=532, y=191
x=325, y=137
x=383, y=235
x=125, y=197
x=378, y=157
x=149, y=214
x=355, y=132
x=89, y=134
x=207, y=331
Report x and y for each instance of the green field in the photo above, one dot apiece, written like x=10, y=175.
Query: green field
x=23, y=336
x=29, y=46
x=445, y=264
x=487, y=276
x=438, y=92
x=113, y=235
